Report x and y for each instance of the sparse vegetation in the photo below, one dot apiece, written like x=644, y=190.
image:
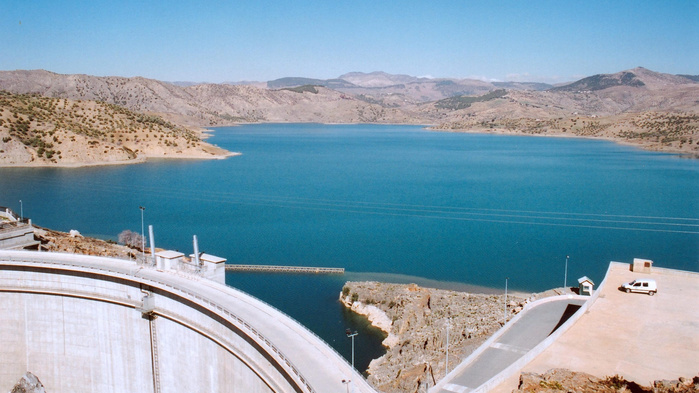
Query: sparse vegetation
x=303, y=89
x=42, y=123
x=130, y=239
x=675, y=131
x=665, y=128
x=462, y=102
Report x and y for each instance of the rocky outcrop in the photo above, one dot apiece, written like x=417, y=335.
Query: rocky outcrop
x=57, y=241
x=29, y=383
x=416, y=321
x=562, y=380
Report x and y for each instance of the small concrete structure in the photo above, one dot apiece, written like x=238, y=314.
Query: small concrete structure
x=212, y=267
x=641, y=265
x=168, y=259
x=16, y=233
x=7, y=214
x=17, y=236
x=585, y=286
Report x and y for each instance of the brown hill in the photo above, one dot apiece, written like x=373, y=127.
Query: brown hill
x=615, y=106
x=653, y=110
x=45, y=131
x=205, y=104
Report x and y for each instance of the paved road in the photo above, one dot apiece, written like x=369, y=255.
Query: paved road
x=532, y=328
x=642, y=338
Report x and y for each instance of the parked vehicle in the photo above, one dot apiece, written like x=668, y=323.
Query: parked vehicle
x=644, y=285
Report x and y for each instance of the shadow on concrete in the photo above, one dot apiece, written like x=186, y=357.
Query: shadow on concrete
x=567, y=313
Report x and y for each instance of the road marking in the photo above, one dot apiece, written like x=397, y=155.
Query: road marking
x=510, y=348
x=456, y=388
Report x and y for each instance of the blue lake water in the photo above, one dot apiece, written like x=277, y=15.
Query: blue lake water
x=393, y=203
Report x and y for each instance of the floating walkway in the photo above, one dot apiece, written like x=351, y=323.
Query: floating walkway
x=286, y=269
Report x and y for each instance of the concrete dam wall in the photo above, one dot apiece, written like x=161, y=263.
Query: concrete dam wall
x=87, y=324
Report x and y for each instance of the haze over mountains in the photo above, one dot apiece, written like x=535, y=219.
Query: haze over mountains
x=379, y=97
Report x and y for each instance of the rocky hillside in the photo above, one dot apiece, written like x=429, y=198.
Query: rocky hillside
x=645, y=108
x=415, y=320
x=43, y=131
x=561, y=380
x=207, y=104
x=74, y=243
x=639, y=106
x=660, y=131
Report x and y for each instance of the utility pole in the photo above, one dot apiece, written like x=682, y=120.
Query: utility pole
x=565, y=279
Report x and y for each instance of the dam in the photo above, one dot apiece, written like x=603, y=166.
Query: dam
x=85, y=324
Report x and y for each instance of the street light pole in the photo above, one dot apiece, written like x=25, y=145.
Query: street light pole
x=21, y=211
x=143, y=236
x=351, y=335
x=506, y=278
x=565, y=279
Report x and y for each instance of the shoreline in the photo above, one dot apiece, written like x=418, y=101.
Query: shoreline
x=423, y=282
x=640, y=146
x=137, y=160
x=645, y=146
x=207, y=132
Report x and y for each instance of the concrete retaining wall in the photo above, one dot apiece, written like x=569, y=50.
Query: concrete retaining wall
x=78, y=334
x=81, y=325
x=16, y=235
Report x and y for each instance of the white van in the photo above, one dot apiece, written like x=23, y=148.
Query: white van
x=644, y=285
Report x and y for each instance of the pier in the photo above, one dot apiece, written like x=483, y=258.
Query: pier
x=285, y=269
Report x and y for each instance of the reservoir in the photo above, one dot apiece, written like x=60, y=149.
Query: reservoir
x=390, y=203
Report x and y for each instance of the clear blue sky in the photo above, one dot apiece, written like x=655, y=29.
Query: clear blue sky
x=219, y=40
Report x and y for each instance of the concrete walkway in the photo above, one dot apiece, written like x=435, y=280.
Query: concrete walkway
x=639, y=337
x=512, y=342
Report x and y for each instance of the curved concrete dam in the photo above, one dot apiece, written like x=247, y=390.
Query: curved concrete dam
x=88, y=324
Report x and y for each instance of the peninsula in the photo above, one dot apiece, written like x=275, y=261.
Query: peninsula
x=47, y=131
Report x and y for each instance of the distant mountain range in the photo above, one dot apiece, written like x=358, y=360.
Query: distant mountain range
x=367, y=97
x=396, y=90
x=379, y=97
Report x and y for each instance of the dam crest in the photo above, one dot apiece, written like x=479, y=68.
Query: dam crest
x=84, y=323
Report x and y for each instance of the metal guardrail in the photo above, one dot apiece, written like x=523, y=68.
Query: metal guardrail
x=285, y=269
x=231, y=317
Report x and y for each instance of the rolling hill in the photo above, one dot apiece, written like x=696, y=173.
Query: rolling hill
x=616, y=104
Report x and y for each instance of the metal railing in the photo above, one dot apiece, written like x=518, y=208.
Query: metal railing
x=285, y=269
